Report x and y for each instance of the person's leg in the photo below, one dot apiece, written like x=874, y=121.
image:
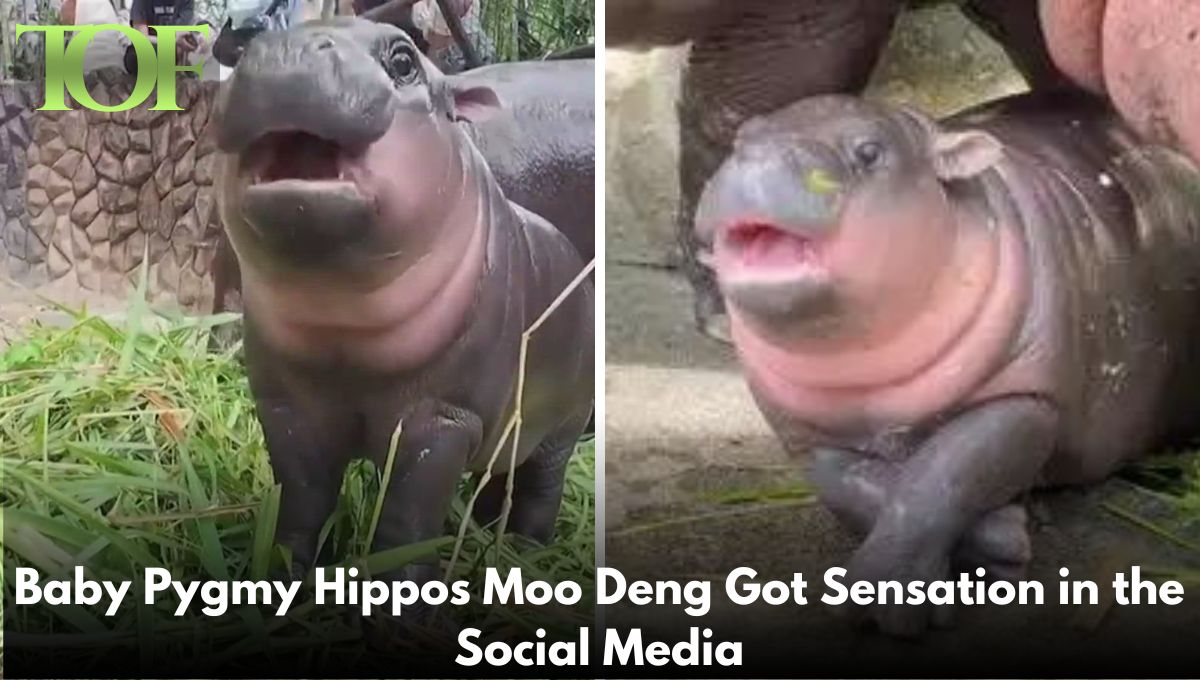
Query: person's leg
x=131, y=65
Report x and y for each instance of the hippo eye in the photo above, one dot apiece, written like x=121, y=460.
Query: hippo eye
x=401, y=65
x=868, y=154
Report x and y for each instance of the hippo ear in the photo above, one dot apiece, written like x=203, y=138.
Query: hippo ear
x=475, y=104
x=960, y=155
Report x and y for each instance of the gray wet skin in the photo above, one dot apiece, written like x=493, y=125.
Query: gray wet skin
x=537, y=136
x=1088, y=368
x=541, y=144
x=372, y=110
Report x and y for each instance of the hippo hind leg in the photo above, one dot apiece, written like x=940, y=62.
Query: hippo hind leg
x=537, y=487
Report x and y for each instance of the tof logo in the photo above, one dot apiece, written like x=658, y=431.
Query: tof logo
x=64, y=65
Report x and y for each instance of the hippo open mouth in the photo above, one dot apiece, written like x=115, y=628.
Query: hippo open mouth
x=301, y=192
x=294, y=155
x=770, y=213
x=764, y=245
x=772, y=270
x=761, y=250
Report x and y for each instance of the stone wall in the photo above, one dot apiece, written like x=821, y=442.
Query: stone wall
x=641, y=154
x=88, y=194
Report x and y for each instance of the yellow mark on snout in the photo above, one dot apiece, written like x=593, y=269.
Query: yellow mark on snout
x=820, y=182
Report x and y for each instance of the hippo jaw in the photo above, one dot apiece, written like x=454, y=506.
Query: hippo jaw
x=299, y=196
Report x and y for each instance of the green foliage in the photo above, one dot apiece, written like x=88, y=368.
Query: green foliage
x=24, y=59
x=531, y=29
x=1164, y=500
x=124, y=448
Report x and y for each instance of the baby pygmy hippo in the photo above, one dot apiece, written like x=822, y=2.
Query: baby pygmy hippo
x=387, y=282
x=947, y=315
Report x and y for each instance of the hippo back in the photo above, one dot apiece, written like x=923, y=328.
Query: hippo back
x=1111, y=226
x=542, y=146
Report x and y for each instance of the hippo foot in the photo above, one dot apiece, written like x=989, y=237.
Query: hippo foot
x=999, y=543
x=293, y=572
x=419, y=626
x=301, y=558
x=854, y=487
x=882, y=559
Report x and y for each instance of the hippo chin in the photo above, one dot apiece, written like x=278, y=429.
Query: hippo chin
x=387, y=283
x=948, y=315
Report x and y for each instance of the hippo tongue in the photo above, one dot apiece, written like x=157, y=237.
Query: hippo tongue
x=757, y=244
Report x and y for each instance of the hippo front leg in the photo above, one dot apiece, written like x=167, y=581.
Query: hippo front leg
x=432, y=457
x=309, y=441
x=856, y=486
x=977, y=462
x=308, y=460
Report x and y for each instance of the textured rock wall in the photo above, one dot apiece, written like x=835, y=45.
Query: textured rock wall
x=88, y=194
x=16, y=103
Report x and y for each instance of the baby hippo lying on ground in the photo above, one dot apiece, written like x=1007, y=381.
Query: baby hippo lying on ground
x=948, y=315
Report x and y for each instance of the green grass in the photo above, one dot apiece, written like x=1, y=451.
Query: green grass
x=1164, y=501
x=123, y=449
x=531, y=29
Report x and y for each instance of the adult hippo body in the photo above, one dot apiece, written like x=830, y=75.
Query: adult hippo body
x=387, y=284
x=948, y=315
x=541, y=143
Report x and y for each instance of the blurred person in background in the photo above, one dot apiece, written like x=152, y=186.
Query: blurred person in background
x=247, y=18
x=105, y=49
x=423, y=20
x=443, y=49
x=144, y=15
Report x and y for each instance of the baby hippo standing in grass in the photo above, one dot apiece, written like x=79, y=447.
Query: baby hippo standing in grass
x=949, y=315
x=388, y=281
